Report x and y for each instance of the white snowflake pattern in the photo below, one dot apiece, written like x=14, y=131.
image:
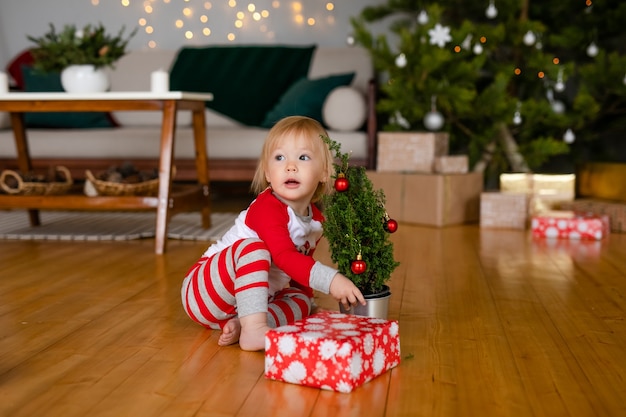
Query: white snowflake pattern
x=368, y=344
x=317, y=320
x=343, y=386
x=288, y=329
x=314, y=326
x=328, y=349
x=286, y=344
x=321, y=371
x=356, y=365
x=295, y=372
x=439, y=35
x=311, y=336
x=394, y=329
x=269, y=364
x=343, y=326
x=379, y=361
x=344, y=350
x=351, y=333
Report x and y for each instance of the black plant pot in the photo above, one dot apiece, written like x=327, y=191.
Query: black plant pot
x=377, y=305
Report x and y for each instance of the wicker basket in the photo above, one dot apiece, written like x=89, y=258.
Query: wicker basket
x=94, y=186
x=35, y=188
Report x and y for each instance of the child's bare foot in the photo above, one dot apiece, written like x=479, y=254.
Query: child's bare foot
x=253, y=329
x=230, y=332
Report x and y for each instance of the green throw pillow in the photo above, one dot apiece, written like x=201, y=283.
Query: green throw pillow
x=246, y=81
x=35, y=81
x=306, y=98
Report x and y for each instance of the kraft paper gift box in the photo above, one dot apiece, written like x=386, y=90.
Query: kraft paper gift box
x=546, y=191
x=564, y=224
x=504, y=210
x=332, y=351
x=431, y=199
x=614, y=209
x=451, y=164
x=410, y=151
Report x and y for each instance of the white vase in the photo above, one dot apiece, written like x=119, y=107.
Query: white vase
x=84, y=79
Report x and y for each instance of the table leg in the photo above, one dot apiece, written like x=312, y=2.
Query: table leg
x=202, y=169
x=168, y=130
x=23, y=156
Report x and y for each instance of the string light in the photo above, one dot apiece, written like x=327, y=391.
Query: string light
x=246, y=17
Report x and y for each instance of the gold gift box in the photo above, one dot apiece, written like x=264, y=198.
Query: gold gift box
x=546, y=191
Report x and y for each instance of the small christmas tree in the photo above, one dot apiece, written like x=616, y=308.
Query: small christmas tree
x=357, y=226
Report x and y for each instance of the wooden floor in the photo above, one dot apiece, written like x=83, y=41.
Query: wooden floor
x=492, y=323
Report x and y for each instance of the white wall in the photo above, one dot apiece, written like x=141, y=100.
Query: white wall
x=20, y=18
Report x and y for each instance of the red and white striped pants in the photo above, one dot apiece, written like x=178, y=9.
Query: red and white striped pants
x=234, y=282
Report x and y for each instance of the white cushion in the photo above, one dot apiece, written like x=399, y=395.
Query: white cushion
x=345, y=109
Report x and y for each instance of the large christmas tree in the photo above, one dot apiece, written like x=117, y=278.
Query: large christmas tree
x=515, y=82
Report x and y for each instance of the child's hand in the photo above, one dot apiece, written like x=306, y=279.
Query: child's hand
x=344, y=291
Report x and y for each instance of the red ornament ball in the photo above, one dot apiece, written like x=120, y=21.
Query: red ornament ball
x=341, y=183
x=358, y=266
x=391, y=225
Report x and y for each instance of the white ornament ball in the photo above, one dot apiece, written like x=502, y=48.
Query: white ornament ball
x=558, y=107
x=592, y=49
x=491, y=11
x=517, y=118
x=529, y=38
x=569, y=136
x=350, y=41
x=433, y=120
x=401, y=61
x=422, y=17
x=478, y=49
x=559, y=86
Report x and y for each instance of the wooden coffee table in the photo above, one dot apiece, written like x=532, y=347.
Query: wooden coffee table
x=167, y=202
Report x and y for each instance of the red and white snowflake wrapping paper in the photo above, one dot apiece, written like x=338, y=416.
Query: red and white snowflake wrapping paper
x=570, y=225
x=332, y=351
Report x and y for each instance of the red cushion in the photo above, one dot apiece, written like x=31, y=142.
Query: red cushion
x=14, y=68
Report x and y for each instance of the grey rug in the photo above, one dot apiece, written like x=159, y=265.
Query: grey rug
x=99, y=225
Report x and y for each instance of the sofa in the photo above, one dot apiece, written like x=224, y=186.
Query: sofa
x=253, y=86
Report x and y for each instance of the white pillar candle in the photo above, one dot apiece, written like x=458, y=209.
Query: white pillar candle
x=4, y=83
x=159, y=81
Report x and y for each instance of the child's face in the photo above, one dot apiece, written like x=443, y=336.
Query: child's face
x=294, y=171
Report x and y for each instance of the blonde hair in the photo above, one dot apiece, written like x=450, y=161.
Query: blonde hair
x=295, y=126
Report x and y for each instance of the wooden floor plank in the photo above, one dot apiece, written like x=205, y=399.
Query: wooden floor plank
x=492, y=323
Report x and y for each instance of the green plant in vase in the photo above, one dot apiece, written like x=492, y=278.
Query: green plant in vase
x=91, y=45
x=80, y=55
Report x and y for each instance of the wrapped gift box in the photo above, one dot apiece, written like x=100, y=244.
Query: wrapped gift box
x=570, y=225
x=430, y=199
x=614, y=209
x=602, y=180
x=332, y=351
x=410, y=151
x=546, y=191
x=451, y=164
x=504, y=210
